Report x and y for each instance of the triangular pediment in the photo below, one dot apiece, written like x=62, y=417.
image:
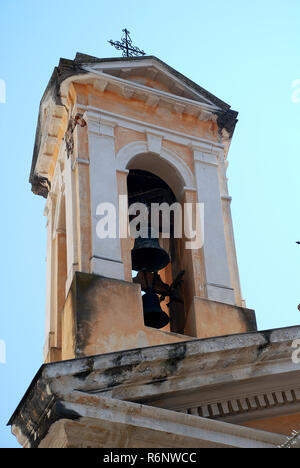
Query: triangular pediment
x=152, y=73
x=154, y=78
x=145, y=78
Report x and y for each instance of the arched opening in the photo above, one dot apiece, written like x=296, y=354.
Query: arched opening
x=164, y=214
x=160, y=167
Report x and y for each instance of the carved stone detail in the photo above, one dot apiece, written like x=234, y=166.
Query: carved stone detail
x=223, y=409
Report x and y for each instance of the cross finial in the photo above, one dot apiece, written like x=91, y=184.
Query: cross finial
x=126, y=45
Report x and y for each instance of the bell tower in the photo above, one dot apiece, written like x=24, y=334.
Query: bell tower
x=115, y=135
x=148, y=340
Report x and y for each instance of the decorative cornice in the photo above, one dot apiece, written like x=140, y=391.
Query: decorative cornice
x=100, y=85
x=141, y=126
x=252, y=406
x=152, y=96
x=49, y=123
x=154, y=67
x=152, y=100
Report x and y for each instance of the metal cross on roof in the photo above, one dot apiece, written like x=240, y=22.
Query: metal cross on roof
x=128, y=50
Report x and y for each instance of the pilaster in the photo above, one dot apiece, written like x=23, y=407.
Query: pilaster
x=71, y=223
x=218, y=282
x=106, y=256
x=49, y=328
x=229, y=234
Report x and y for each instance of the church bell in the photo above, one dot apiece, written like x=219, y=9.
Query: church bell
x=154, y=316
x=147, y=255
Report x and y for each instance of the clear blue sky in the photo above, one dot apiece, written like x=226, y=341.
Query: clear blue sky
x=246, y=53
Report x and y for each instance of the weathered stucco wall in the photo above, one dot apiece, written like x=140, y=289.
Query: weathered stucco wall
x=102, y=315
x=210, y=318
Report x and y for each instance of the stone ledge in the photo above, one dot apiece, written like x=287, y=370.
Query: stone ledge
x=177, y=376
x=108, y=423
